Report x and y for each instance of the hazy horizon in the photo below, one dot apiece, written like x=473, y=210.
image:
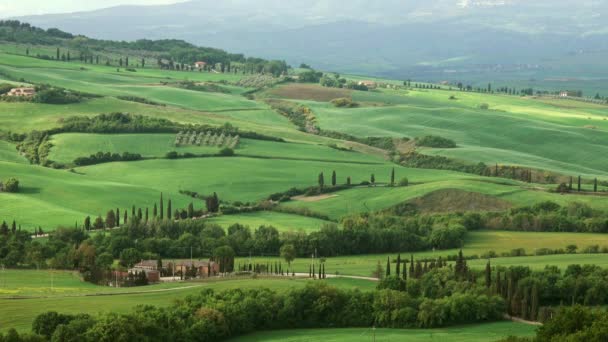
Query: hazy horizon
x=10, y=9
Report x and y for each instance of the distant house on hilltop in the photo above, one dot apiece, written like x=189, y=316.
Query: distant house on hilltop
x=22, y=92
x=200, y=65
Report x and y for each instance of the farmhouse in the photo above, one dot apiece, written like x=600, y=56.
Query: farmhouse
x=200, y=65
x=22, y=92
x=203, y=268
x=369, y=84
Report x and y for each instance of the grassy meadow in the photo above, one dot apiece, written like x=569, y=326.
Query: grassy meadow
x=78, y=297
x=468, y=333
x=475, y=243
x=536, y=128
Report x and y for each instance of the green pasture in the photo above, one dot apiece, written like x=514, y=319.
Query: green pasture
x=365, y=199
x=468, y=333
x=59, y=197
x=20, y=313
x=281, y=221
x=521, y=131
x=69, y=146
x=476, y=243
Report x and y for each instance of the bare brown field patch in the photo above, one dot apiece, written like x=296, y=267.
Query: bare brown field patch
x=310, y=92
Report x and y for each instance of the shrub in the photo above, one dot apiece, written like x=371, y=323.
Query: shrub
x=11, y=185
x=344, y=102
x=172, y=155
x=484, y=106
x=226, y=152
x=435, y=141
x=404, y=182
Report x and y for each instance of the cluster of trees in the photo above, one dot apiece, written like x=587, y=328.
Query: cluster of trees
x=543, y=217
x=213, y=316
x=435, y=141
x=206, y=139
x=9, y=185
x=300, y=115
x=335, y=81
x=107, y=157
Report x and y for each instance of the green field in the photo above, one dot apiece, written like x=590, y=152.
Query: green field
x=476, y=243
x=468, y=333
x=535, y=129
x=69, y=146
x=20, y=313
x=283, y=222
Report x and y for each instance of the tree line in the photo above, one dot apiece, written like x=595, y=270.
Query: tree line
x=171, y=53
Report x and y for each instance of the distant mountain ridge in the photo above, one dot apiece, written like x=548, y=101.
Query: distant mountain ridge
x=391, y=37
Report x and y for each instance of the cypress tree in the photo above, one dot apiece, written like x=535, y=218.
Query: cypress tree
x=139, y=214
x=418, y=270
x=313, y=271
x=348, y=181
x=498, y=284
x=146, y=214
x=570, y=186
x=324, y=276
x=595, y=185
x=321, y=180
x=57, y=53
x=579, y=183
x=125, y=217
x=87, y=223
x=320, y=273
x=393, y=179
x=169, y=209
x=190, y=210
x=310, y=271
x=133, y=211
x=161, y=206
x=488, y=275
x=412, y=266
x=372, y=179
x=117, y=217
x=534, y=303
x=398, y=268
x=155, y=211
x=333, y=178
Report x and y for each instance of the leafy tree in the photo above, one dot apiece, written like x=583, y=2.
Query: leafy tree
x=129, y=257
x=98, y=224
x=288, y=252
x=225, y=256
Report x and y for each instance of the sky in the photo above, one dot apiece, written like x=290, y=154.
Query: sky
x=13, y=8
